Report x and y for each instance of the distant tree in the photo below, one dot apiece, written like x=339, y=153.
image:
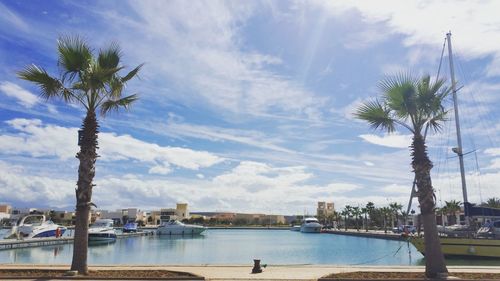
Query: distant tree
x=370, y=206
x=356, y=213
x=492, y=203
x=93, y=82
x=395, y=209
x=386, y=212
x=451, y=209
x=364, y=211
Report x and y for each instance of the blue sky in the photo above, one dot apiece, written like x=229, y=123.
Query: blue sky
x=246, y=105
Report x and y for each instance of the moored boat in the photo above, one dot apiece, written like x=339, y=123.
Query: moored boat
x=311, y=225
x=37, y=226
x=464, y=241
x=102, y=230
x=130, y=227
x=175, y=227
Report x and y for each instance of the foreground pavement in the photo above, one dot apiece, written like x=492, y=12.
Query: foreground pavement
x=271, y=272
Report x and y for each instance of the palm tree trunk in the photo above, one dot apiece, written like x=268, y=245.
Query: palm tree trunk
x=86, y=172
x=435, y=265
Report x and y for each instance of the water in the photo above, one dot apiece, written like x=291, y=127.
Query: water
x=228, y=246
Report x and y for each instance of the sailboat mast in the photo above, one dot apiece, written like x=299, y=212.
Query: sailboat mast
x=458, y=150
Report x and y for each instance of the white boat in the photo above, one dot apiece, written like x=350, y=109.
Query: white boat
x=102, y=230
x=295, y=228
x=175, y=227
x=311, y=225
x=37, y=226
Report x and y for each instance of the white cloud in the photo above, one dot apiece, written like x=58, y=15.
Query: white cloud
x=160, y=169
x=39, y=140
x=19, y=185
x=343, y=187
x=24, y=97
x=494, y=151
x=204, y=40
x=388, y=140
x=470, y=21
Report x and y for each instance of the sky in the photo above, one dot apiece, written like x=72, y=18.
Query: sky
x=247, y=106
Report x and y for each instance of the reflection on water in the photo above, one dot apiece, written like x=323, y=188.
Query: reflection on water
x=237, y=247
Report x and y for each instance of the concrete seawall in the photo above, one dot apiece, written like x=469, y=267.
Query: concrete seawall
x=369, y=234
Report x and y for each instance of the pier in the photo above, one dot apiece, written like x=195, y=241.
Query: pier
x=369, y=234
x=7, y=244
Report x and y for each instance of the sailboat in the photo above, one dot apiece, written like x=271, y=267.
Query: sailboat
x=485, y=243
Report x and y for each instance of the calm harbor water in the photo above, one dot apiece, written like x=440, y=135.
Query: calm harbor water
x=229, y=246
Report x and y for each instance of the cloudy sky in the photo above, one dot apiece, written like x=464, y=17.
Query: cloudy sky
x=247, y=105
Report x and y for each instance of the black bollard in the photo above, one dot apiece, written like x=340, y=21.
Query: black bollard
x=256, y=267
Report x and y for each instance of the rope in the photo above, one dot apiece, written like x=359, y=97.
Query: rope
x=379, y=258
x=441, y=60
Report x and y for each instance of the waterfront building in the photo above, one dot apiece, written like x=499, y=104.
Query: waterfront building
x=325, y=209
x=5, y=212
x=182, y=211
x=167, y=214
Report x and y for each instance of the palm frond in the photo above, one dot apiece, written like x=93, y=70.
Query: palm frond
x=110, y=57
x=49, y=87
x=399, y=94
x=115, y=105
x=132, y=73
x=376, y=115
x=74, y=55
x=115, y=88
x=435, y=123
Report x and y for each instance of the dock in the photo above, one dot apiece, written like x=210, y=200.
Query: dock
x=8, y=244
x=369, y=234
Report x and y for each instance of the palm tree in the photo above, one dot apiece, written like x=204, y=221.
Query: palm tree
x=356, y=212
x=364, y=211
x=492, y=203
x=346, y=212
x=395, y=208
x=94, y=83
x=370, y=206
x=385, y=212
x=414, y=104
x=452, y=207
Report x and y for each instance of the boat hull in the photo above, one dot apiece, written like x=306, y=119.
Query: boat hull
x=463, y=247
x=101, y=237
x=310, y=229
x=180, y=231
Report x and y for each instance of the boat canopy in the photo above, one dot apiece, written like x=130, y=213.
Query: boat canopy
x=477, y=211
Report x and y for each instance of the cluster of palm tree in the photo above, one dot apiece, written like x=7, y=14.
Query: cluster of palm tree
x=373, y=217
x=92, y=81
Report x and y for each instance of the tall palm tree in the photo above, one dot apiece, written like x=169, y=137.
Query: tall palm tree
x=416, y=105
x=91, y=80
x=452, y=207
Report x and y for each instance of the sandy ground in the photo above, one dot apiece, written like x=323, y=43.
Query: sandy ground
x=271, y=272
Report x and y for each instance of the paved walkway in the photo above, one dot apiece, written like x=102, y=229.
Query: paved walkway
x=272, y=272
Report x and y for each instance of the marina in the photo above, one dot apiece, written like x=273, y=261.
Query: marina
x=234, y=247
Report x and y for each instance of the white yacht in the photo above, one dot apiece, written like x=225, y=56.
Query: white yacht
x=37, y=226
x=311, y=225
x=102, y=230
x=175, y=227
